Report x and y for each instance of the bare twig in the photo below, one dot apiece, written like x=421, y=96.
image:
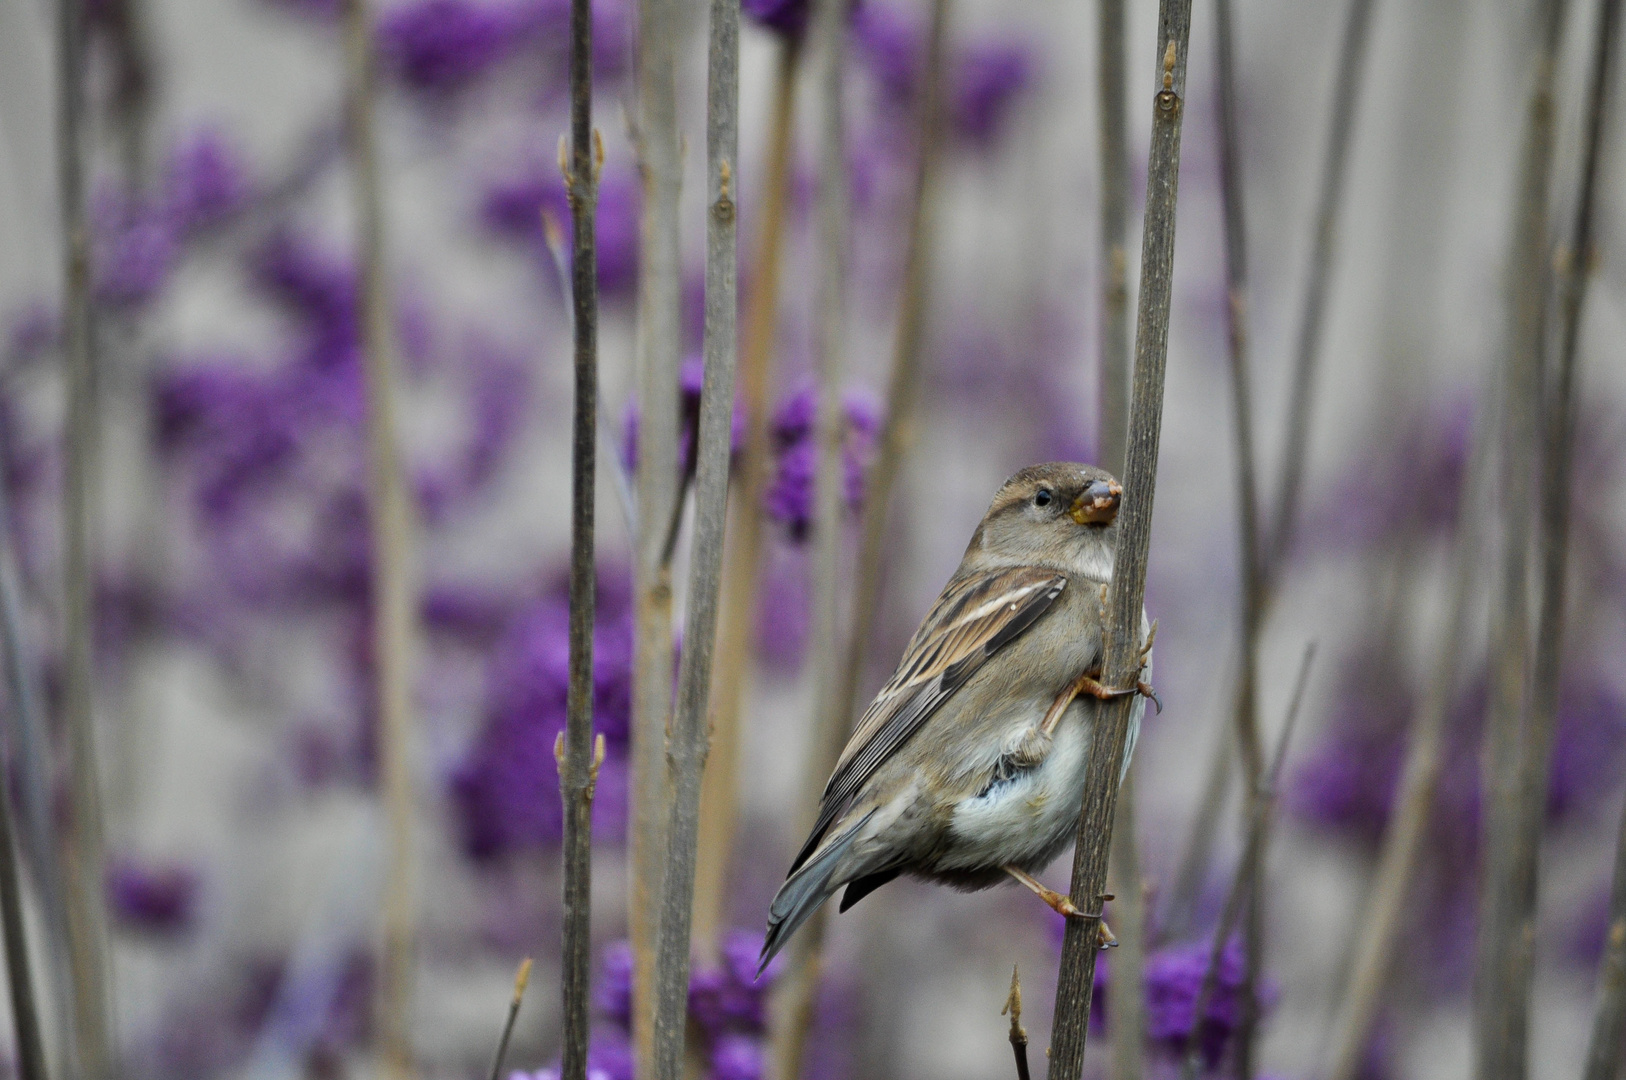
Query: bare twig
x=1019, y=1034
x=659, y=345
x=1127, y=595
x=1249, y=870
x=578, y=767
x=1608, y=1043
x=1382, y=917
x=521, y=978
x=898, y=427
x=82, y=839
x=720, y=789
x=393, y=588
x=1307, y=358
x=19, y=979
x=1502, y=999
x=1127, y=1021
x=686, y=747
x=797, y=985
x=1558, y=433
x=1112, y=88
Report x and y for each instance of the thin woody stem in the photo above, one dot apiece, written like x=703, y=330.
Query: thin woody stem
x=1127, y=594
x=579, y=767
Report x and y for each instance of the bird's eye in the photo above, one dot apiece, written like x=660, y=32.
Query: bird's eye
x=1042, y=498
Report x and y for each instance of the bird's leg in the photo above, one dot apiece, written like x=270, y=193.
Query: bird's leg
x=1084, y=684
x=1062, y=905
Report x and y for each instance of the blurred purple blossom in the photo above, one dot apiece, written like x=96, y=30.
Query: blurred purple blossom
x=608, y=1058
x=134, y=247
x=690, y=379
x=614, y=993
x=512, y=206
x=506, y=788
x=788, y=17
x=989, y=78
x=155, y=897
x=737, y=1057
x=32, y=331
x=789, y=497
x=729, y=998
x=205, y=181
x=1174, y=978
x=442, y=46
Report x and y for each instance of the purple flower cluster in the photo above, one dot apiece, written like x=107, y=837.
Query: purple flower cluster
x=506, y=788
x=442, y=46
x=156, y=898
x=727, y=1003
x=690, y=381
x=787, y=17
x=789, y=497
x=1174, y=978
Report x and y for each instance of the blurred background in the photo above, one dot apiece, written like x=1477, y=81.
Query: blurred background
x=238, y=764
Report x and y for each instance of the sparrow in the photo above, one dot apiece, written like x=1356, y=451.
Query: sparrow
x=968, y=768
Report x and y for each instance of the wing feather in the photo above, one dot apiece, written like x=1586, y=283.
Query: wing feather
x=977, y=615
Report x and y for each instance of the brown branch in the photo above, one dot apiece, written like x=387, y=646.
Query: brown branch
x=578, y=767
x=898, y=428
x=1307, y=358
x=1608, y=1042
x=1019, y=1034
x=1249, y=871
x=393, y=588
x=719, y=792
x=1127, y=595
x=687, y=745
x=82, y=839
x=798, y=982
x=1502, y=998
x=521, y=979
x=659, y=342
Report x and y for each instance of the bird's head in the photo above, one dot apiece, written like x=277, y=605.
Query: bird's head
x=1059, y=514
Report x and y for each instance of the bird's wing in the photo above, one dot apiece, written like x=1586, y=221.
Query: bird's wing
x=977, y=615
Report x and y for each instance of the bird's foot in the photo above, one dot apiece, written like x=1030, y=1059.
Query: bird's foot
x=1063, y=905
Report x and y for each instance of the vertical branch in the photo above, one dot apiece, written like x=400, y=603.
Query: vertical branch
x=1558, y=436
x=1307, y=358
x=898, y=428
x=798, y=984
x=1127, y=595
x=392, y=583
x=1127, y=1021
x=1018, y=1034
x=82, y=841
x=1502, y=995
x=1386, y=904
x=1114, y=363
x=1249, y=873
x=19, y=979
x=522, y=978
x=659, y=352
x=1246, y=706
x=720, y=789
x=1608, y=1042
x=687, y=745
x=578, y=767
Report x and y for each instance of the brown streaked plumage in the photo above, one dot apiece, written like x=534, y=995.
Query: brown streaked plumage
x=952, y=773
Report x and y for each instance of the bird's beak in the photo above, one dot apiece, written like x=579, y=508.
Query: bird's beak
x=1099, y=503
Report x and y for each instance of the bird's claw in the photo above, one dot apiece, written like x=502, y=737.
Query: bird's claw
x=1144, y=689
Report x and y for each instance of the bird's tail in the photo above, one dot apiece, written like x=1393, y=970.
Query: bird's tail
x=802, y=893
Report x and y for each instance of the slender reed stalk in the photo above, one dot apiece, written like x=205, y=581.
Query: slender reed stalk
x=1318, y=276
x=578, y=767
x=798, y=982
x=521, y=979
x=659, y=346
x=1126, y=1023
x=1019, y=1034
x=1127, y=595
x=1502, y=990
x=19, y=979
x=393, y=585
x=719, y=792
x=82, y=839
x=1387, y=902
x=898, y=428
x=686, y=747
x=1608, y=1041
x=1112, y=95
x=1249, y=872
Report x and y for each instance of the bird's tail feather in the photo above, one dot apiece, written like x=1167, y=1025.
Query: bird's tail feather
x=802, y=893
